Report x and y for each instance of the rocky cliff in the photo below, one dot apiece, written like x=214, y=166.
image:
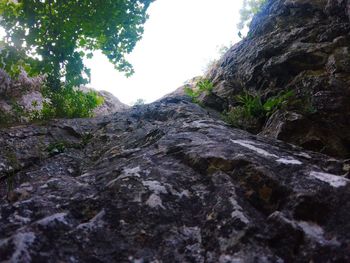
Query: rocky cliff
x=298, y=45
x=171, y=182
x=167, y=183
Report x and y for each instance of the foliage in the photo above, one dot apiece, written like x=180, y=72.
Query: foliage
x=224, y=48
x=15, y=116
x=247, y=12
x=252, y=112
x=52, y=37
x=65, y=102
x=56, y=148
x=61, y=146
x=139, y=102
x=14, y=165
x=277, y=102
x=251, y=104
x=86, y=138
x=211, y=64
x=70, y=103
x=239, y=118
x=13, y=60
x=202, y=86
x=5, y=117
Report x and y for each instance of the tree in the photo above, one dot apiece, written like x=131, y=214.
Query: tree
x=139, y=102
x=248, y=10
x=55, y=35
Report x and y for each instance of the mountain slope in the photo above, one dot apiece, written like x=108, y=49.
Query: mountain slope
x=167, y=182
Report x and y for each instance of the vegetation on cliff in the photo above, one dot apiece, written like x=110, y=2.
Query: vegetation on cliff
x=53, y=37
x=247, y=12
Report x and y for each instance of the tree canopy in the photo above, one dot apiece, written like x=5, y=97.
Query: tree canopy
x=53, y=36
x=248, y=10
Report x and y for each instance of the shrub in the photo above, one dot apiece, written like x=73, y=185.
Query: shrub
x=52, y=39
x=247, y=12
x=69, y=103
x=61, y=146
x=56, y=148
x=239, y=117
x=251, y=112
x=139, y=102
x=5, y=117
x=214, y=63
x=62, y=103
x=250, y=104
x=202, y=86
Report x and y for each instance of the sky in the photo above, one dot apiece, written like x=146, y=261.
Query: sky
x=180, y=38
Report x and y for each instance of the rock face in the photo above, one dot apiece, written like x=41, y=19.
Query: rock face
x=110, y=105
x=298, y=45
x=180, y=91
x=19, y=95
x=167, y=182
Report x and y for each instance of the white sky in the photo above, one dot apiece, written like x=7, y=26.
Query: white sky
x=181, y=37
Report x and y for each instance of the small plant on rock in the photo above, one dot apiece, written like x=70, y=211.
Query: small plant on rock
x=70, y=103
x=251, y=112
x=202, y=86
x=249, y=9
x=139, y=102
x=56, y=148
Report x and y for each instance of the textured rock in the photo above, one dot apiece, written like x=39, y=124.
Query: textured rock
x=5, y=82
x=298, y=45
x=18, y=96
x=167, y=182
x=110, y=105
x=23, y=83
x=171, y=182
x=212, y=101
x=180, y=91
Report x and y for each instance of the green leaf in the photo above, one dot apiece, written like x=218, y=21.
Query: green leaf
x=57, y=29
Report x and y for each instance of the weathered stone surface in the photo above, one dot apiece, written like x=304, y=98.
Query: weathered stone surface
x=167, y=182
x=212, y=101
x=180, y=91
x=18, y=96
x=23, y=83
x=171, y=182
x=110, y=105
x=298, y=45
